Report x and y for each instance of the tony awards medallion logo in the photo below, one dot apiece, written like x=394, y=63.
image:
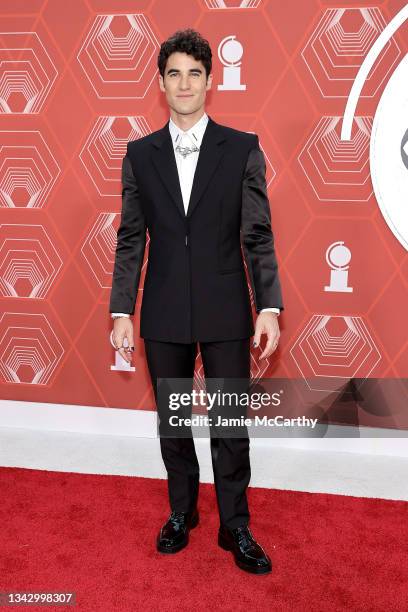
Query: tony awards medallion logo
x=230, y=52
x=338, y=257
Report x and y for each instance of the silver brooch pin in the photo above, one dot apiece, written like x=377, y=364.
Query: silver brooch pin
x=184, y=151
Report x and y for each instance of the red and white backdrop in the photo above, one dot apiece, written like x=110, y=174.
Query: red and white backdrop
x=79, y=79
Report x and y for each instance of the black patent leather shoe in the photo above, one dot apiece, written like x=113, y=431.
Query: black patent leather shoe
x=173, y=536
x=248, y=554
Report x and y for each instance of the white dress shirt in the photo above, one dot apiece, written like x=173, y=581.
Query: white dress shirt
x=186, y=166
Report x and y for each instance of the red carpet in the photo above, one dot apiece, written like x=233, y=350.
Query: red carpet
x=95, y=535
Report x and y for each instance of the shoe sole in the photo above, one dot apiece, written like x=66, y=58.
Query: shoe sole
x=175, y=549
x=247, y=568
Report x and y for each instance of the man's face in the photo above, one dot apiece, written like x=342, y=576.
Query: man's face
x=185, y=83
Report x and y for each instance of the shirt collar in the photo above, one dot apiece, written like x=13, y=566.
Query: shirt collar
x=196, y=132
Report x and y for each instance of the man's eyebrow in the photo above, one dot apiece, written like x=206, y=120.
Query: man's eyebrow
x=177, y=70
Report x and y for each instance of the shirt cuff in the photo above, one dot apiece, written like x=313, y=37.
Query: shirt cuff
x=120, y=314
x=277, y=310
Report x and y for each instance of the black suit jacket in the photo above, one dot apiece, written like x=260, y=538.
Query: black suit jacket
x=195, y=287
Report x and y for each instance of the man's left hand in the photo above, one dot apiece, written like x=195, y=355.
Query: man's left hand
x=267, y=323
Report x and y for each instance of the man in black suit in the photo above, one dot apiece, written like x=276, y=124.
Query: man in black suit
x=199, y=188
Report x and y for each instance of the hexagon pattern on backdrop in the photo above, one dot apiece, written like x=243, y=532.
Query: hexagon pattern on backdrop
x=78, y=80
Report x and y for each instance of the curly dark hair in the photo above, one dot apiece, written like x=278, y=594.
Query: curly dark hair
x=186, y=41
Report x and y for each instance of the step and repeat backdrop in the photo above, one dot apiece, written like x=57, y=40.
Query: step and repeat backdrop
x=322, y=83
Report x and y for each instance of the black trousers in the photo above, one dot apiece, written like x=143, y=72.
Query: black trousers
x=230, y=456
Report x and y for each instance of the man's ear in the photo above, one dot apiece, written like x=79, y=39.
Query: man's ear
x=161, y=83
x=209, y=81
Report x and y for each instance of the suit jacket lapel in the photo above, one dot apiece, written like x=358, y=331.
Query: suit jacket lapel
x=209, y=157
x=164, y=160
x=210, y=154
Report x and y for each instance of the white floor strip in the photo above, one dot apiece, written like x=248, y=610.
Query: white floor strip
x=280, y=467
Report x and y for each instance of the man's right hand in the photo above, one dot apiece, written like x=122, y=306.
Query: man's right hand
x=123, y=328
